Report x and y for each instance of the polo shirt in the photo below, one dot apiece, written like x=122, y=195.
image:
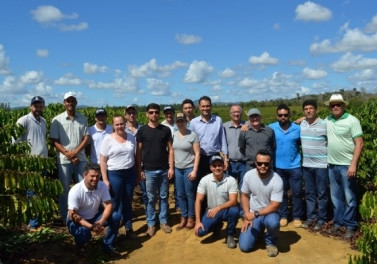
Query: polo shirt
x=96, y=138
x=232, y=134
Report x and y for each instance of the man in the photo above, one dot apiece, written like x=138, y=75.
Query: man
x=288, y=163
x=258, y=136
x=188, y=109
x=210, y=131
x=90, y=209
x=345, y=143
x=262, y=193
x=314, y=150
x=35, y=127
x=69, y=134
x=155, y=165
x=221, y=194
x=97, y=133
x=169, y=118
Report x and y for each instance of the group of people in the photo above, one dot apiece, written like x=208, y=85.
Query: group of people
x=205, y=158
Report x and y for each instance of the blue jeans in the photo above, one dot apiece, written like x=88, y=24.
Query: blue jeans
x=248, y=238
x=122, y=184
x=343, y=196
x=237, y=169
x=144, y=195
x=292, y=179
x=230, y=215
x=186, y=191
x=316, y=189
x=83, y=235
x=65, y=172
x=157, y=182
x=33, y=222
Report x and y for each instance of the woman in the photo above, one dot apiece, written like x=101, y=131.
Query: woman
x=186, y=159
x=117, y=159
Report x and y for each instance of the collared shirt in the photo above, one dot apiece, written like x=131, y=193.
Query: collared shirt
x=130, y=131
x=251, y=141
x=211, y=135
x=217, y=192
x=96, y=138
x=341, y=134
x=69, y=133
x=314, y=144
x=87, y=202
x=35, y=133
x=287, y=155
x=232, y=134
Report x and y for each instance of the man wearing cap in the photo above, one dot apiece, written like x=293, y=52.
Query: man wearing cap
x=97, y=133
x=288, y=164
x=220, y=191
x=130, y=114
x=262, y=193
x=345, y=144
x=258, y=136
x=35, y=126
x=69, y=134
x=169, y=118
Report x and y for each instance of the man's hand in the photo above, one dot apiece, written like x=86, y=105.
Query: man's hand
x=213, y=212
x=98, y=227
x=351, y=172
x=245, y=225
x=142, y=175
x=249, y=216
x=170, y=173
x=198, y=225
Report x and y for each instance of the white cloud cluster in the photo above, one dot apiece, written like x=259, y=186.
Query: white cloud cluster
x=50, y=16
x=31, y=77
x=69, y=80
x=310, y=11
x=350, y=62
x=365, y=75
x=227, y=73
x=158, y=87
x=121, y=86
x=313, y=74
x=151, y=67
x=372, y=26
x=263, y=59
x=43, y=53
x=198, y=72
x=4, y=62
x=90, y=68
x=187, y=39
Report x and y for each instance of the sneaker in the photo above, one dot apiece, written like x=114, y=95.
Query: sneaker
x=333, y=230
x=166, y=228
x=297, y=223
x=283, y=222
x=151, y=231
x=318, y=226
x=230, y=242
x=130, y=234
x=113, y=253
x=307, y=224
x=349, y=233
x=272, y=250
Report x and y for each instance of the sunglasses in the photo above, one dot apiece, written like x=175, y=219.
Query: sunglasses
x=283, y=115
x=266, y=164
x=335, y=105
x=154, y=112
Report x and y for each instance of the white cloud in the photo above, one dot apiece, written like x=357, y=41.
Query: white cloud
x=198, y=72
x=297, y=62
x=43, y=53
x=310, y=11
x=227, y=73
x=68, y=79
x=349, y=62
x=276, y=26
x=74, y=27
x=158, y=87
x=119, y=85
x=12, y=85
x=313, y=74
x=4, y=61
x=372, y=26
x=31, y=77
x=187, y=39
x=90, y=68
x=264, y=59
x=365, y=75
x=151, y=67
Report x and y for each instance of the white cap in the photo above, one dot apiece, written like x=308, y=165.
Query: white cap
x=69, y=94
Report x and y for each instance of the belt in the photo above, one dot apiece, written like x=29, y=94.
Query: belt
x=232, y=160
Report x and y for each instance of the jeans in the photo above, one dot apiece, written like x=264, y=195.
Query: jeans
x=248, y=238
x=83, y=235
x=122, y=184
x=33, y=222
x=343, y=196
x=237, y=169
x=292, y=179
x=186, y=191
x=144, y=195
x=157, y=182
x=65, y=172
x=316, y=190
x=230, y=215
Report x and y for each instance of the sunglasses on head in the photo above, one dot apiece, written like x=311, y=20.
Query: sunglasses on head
x=259, y=164
x=283, y=115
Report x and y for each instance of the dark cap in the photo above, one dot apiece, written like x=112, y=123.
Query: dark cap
x=37, y=99
x=169, y=108
x=100, y=111
x=214, y=158
x=180, y=116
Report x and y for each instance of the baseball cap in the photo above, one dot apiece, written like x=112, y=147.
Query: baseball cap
x=37, y=99
x=100, y=111
x=253, y=111
x=169, y=108
x=69, y=94
x=180, y=116
x=214, y=158
x=131, y=107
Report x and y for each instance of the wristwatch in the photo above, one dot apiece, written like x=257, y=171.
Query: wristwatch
x=256, y=213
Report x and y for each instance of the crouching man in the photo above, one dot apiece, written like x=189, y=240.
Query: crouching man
x=221, y=192
x=90, y=209
x=262, y=193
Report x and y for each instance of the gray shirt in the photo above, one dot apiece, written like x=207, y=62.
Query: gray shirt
x=232, y=134
x=184, y=155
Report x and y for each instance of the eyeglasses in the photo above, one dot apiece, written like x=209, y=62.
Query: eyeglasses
x=335, y=105
x=283, y=115
x=131, y=113
x=154, y=112
x=266, y=164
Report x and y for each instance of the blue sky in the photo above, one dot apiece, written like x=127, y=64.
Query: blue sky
x=121, y=52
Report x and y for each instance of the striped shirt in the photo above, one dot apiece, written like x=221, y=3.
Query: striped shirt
x=314, y=143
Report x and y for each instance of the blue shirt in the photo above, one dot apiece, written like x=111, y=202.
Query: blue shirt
x=287, y=155
x=211, y=135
